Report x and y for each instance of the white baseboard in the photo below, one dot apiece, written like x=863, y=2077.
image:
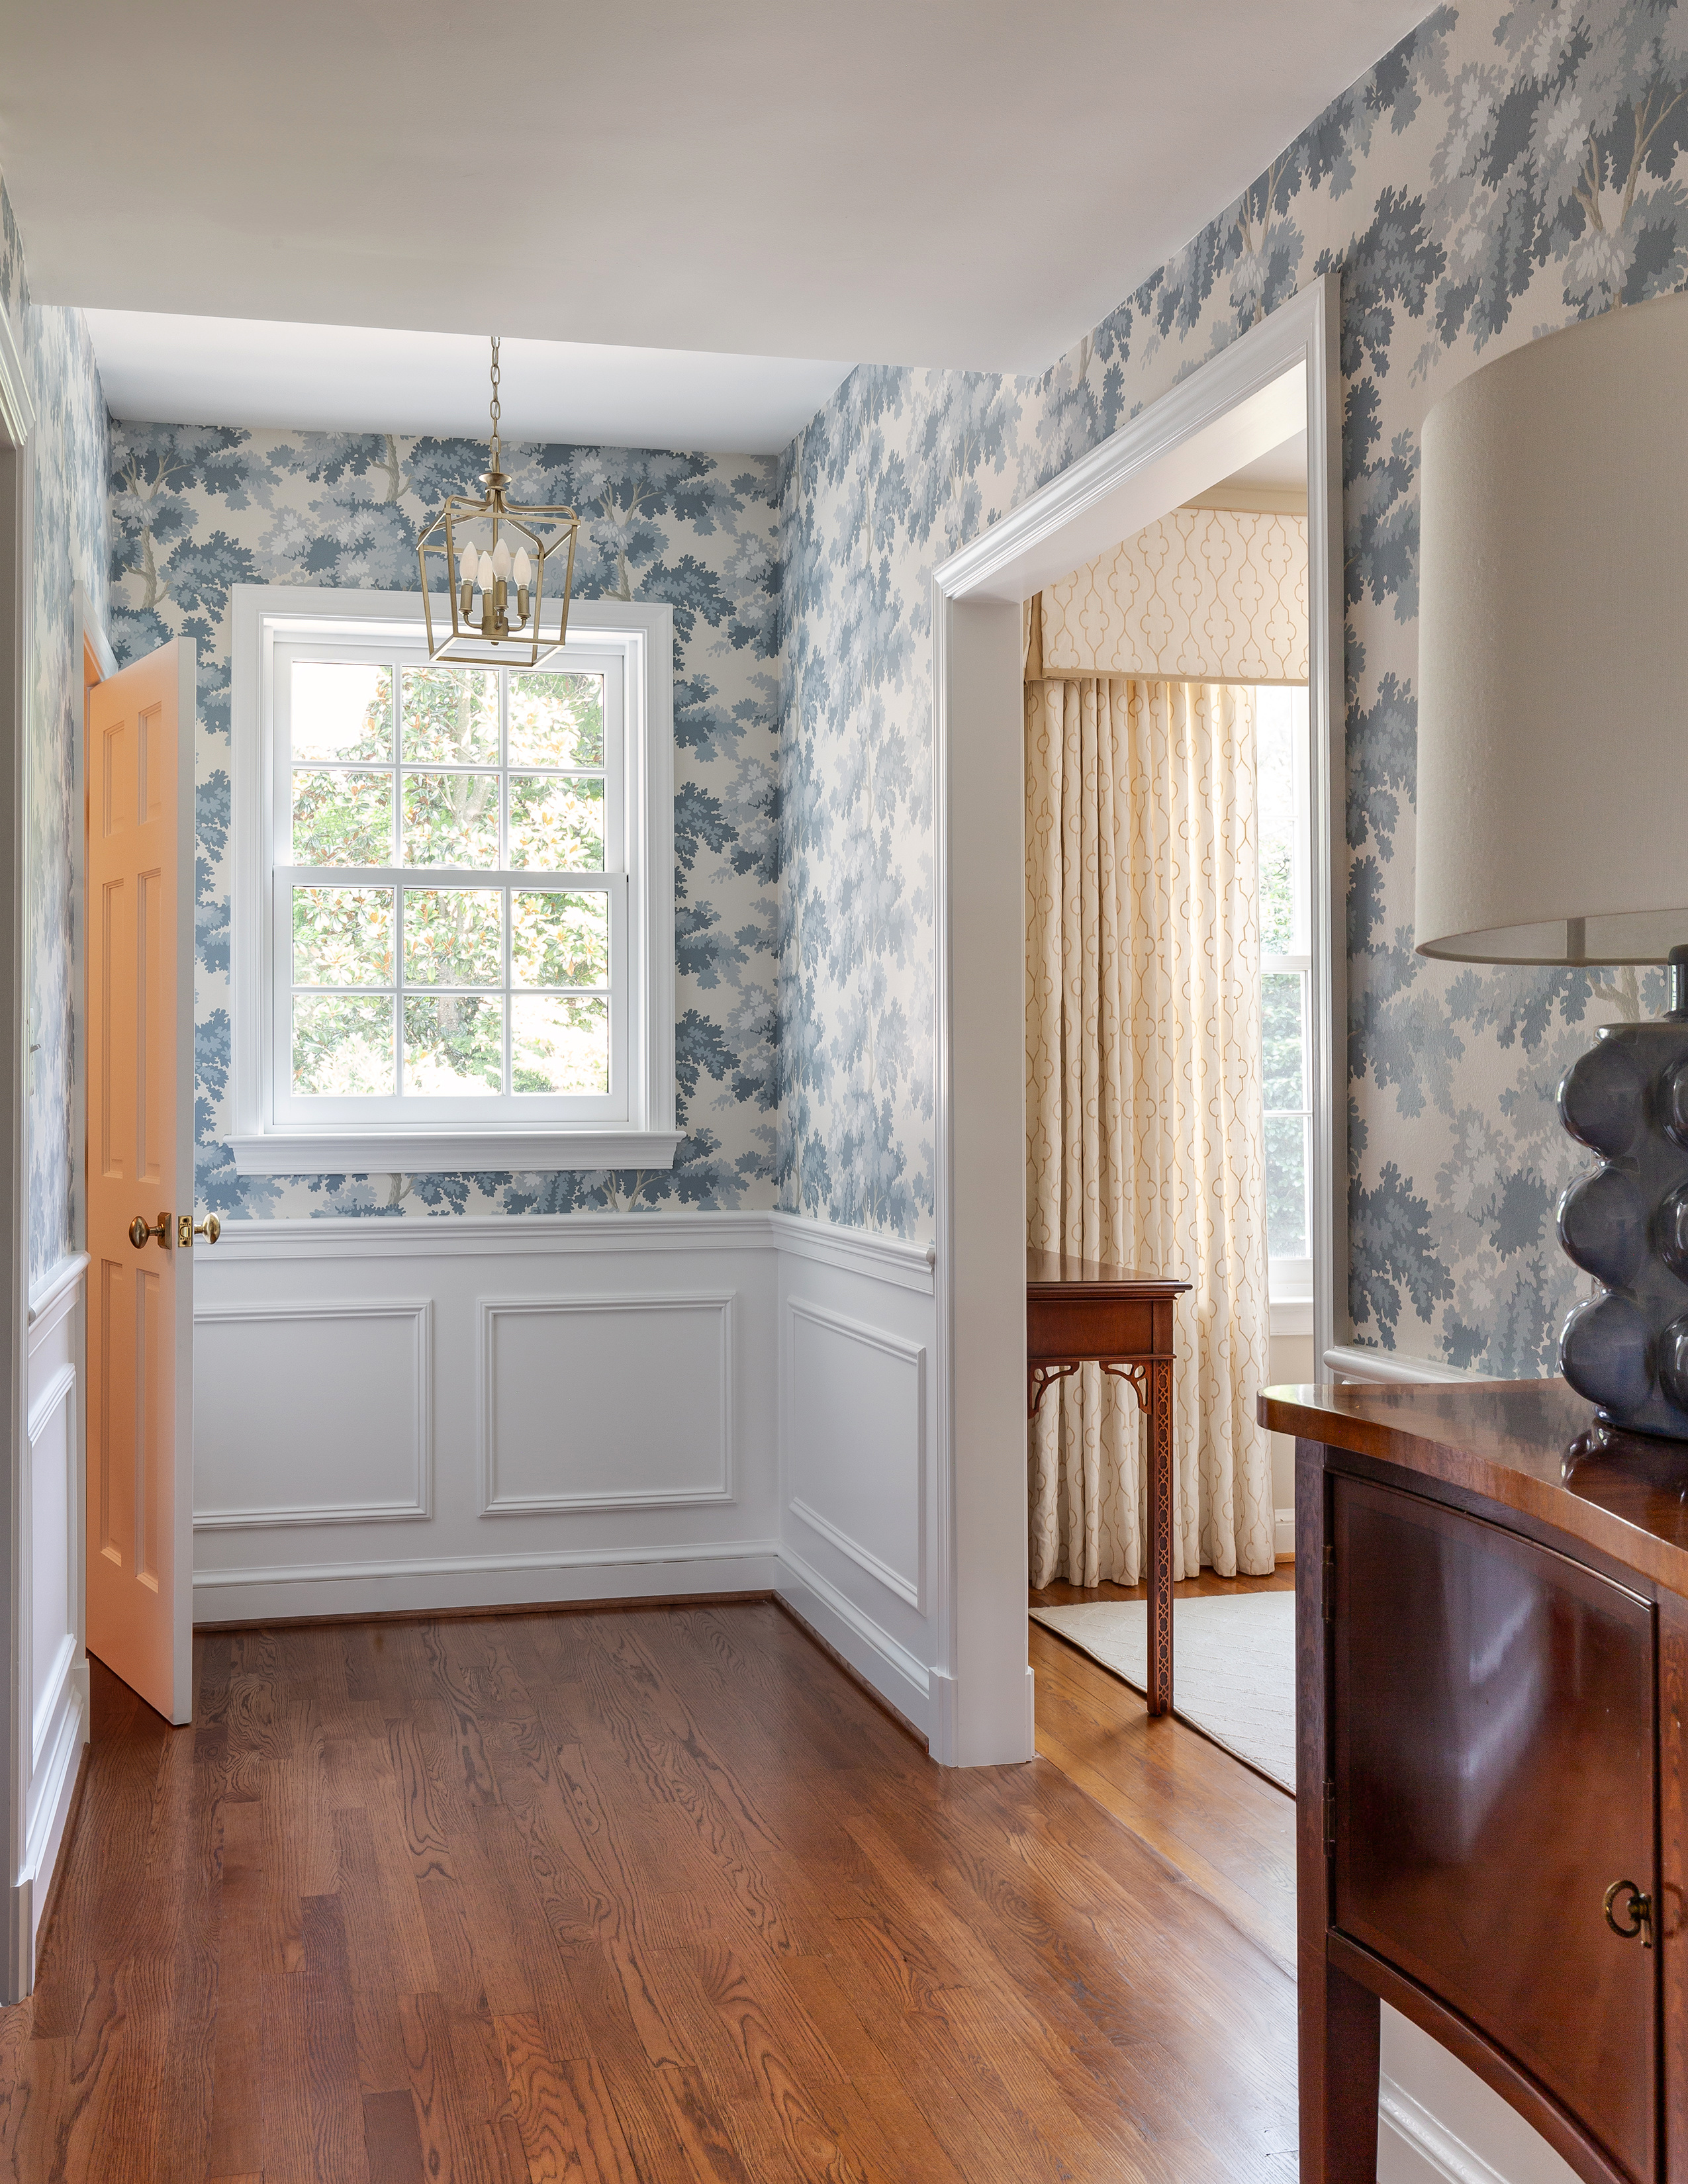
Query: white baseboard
x=1284, y=1535
x=57, y=1776
x=891, y=1669
x=449, y=1581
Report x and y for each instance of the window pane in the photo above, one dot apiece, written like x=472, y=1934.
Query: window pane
x=556, y=824
x=342, y=709
x=453, y=1044
x=1286, y=1187
x=556, y=720
x=343, y=936
x=454, y=937
x=342, y=1045
x=560, y=940
x=343, y=818
x=558, y=1043
x=451, y=819
x=450, y=716
x=1282, y=1074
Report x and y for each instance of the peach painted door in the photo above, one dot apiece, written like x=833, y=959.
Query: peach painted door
x=140, y=988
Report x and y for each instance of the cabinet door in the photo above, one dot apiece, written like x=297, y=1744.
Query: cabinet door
x=1492, y=1719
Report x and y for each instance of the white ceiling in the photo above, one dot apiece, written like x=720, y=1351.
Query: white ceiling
x=962, y=183
x=369, y=379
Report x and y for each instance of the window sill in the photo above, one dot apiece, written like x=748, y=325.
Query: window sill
x=449, y=1152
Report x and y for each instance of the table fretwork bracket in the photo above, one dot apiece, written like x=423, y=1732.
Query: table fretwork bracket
x=1045, y=1377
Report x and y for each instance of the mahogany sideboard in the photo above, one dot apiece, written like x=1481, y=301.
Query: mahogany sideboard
x=1492, y=1771
x=1084, y=1311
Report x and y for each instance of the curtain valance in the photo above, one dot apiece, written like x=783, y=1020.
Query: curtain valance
x=1206, y=594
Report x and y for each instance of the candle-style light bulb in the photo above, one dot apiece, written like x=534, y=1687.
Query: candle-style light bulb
x=500, y=560
x=521, y=568
x=483, y=576
x=467, y=564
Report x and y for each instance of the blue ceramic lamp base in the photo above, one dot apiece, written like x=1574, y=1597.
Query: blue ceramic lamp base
x=1627, y=1224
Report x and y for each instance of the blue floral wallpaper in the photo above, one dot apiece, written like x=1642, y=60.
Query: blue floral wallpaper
x=196, y=510
x=1500, y=173
x=70, y=548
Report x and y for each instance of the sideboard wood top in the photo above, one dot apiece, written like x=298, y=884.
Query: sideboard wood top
x=1531, y=1446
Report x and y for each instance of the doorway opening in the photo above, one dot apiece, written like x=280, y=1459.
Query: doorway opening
x=1278, y=382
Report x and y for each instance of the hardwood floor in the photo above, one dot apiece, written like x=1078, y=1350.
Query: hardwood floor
x=645, y=1896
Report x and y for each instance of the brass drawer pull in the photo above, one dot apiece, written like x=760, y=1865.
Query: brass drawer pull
x=1639, y=1911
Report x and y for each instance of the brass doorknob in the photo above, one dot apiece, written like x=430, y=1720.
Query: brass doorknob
x=1638, y=1911
x=140, y=1230
x=210, y=1227
x=186, y=1229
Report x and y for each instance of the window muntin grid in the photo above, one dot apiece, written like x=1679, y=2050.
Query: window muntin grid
x=449, y=892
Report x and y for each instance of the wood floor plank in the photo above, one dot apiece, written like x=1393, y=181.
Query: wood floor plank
x=657, y=1895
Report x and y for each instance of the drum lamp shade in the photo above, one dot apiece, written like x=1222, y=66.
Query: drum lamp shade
x=1552, y=786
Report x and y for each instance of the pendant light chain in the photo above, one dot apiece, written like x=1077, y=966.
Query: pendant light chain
x=497, y=376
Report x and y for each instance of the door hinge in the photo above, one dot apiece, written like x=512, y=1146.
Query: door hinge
x=1331, y=1815
x=1329, y=1584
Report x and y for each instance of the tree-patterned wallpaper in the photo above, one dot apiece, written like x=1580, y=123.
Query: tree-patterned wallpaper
x=1500, y=173
x=196, y=510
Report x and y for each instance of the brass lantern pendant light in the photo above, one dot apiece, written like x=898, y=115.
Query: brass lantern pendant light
x=499, y=560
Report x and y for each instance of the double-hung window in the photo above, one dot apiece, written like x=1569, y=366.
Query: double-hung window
x=1281, y=732
x=454, y=894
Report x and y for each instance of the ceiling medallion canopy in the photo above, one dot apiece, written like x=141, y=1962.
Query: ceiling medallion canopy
x=504, y=566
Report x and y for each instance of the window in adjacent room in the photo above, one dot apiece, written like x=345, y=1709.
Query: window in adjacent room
x=1281, y=717
x=452, y=922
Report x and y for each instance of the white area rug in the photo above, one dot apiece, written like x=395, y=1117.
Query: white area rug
x=1234, y=1666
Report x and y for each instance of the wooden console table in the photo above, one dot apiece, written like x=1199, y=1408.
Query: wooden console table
x=1492, y=1771
x=1081, y=1311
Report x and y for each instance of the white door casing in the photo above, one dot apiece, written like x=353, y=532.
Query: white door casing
x=140, y=1166
x=1280, y=378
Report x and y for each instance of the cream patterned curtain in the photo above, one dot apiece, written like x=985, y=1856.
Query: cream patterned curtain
x=1142, y=1101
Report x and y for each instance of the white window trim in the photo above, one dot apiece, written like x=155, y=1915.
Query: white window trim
x=650, y=1138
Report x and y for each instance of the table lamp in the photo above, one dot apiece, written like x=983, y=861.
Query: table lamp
x=1552, y=791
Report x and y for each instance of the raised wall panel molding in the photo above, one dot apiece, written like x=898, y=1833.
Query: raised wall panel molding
x=841, y=1468
x=331, y=1401
x=634, y=1409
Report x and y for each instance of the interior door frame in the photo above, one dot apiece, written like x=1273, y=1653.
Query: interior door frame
x=1283, y=374
x=17, y=545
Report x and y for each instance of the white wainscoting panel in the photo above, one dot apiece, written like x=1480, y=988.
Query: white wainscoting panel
x=53, y=1673
x=284, y=1390
x=609, y=1381
x=856, y=1448
x=605, y=1402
